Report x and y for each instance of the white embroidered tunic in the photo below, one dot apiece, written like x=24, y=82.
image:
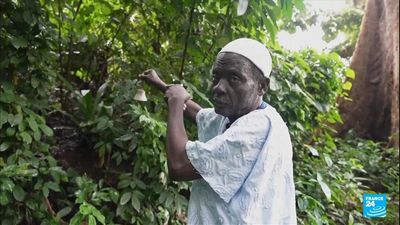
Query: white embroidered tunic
x=246, y=169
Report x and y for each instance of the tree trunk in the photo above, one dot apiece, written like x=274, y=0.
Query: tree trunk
x=374, y=110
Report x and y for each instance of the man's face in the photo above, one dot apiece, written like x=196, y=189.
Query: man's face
x=235, y=91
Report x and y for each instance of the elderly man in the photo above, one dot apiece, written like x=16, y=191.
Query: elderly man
x=241, y=164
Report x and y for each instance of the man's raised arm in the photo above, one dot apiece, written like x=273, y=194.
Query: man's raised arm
x=151, y=77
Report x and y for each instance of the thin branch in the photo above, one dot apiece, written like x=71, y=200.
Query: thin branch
x=110, y=20
x=112, y=39
x=187, y=39
x=120, y=27
x=70, y=37
x=51, y=211
x=59, y=33
x=78, y=7
x=221, y=28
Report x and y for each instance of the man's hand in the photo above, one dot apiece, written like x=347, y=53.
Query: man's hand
x=151, y=77
x=177, y=94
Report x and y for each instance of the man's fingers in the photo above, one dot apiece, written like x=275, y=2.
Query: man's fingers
x=147, y=71
x=170, y=85
x=177, y=91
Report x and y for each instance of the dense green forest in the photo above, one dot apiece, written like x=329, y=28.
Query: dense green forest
x=77, y=148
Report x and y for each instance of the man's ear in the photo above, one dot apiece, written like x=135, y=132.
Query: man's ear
x=263, y=86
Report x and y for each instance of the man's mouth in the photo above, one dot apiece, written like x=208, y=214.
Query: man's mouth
x=219, y=102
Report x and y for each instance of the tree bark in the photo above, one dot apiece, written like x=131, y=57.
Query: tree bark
x=374, y=110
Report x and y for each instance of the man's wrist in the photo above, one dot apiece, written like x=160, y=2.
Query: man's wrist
x=176, y=102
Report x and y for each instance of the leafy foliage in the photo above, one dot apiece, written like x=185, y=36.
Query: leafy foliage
x=82, y=58
x=303, y=17
x=346, y=22
x=27, y=169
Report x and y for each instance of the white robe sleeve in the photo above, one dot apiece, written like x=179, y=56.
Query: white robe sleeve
x=226, y=160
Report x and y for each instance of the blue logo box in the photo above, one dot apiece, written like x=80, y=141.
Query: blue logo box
x=374, y=205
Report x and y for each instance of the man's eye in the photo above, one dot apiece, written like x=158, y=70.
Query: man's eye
x=235, y=79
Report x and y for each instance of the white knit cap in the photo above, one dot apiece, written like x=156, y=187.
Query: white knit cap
x=253, y=50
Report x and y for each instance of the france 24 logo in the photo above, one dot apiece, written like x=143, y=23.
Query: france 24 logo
x=374, y=205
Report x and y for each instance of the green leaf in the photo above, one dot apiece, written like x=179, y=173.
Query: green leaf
x=141, y=185
x=271, y=3
x=312, y=150
x=46, y=130
x=26, y=137
x=53, y=186
x=351, y=219
x=36, y=136
x=7, y=97
x=98, y=144
x=7, y=184
x=32, y=123
x=102, y=151
x=77, y=219
x=132, y=145
x=85, y=208
x=45, y=191
x=350, y=73
x=3, y=117
x=274, y=84
x=22, y=126
x=135, y=203
x=114, y=196
x=18, y=42
x=270, y=27
x=169, y=200
x=14, y=119
x=10, y=131
x=198, y=92
x=272, y=15
x=126, y=137
x=102, y=123
x=63, y=212
x=34, y=82
x=29, y=19
x=102, y=89
x=92, y=220
x=347, y=85
x=328, y=160
x=100, y=217
x=105, y=8
x=3, y=198
x=299, y=4
x=242, y=7
x=125, y=198
x=18, y=193
x=287, y=8
x=4, y=146
x=324, y=187
x=123, y=183
x=302, y=204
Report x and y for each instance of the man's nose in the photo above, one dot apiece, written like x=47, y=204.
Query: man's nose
x=220, y=87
